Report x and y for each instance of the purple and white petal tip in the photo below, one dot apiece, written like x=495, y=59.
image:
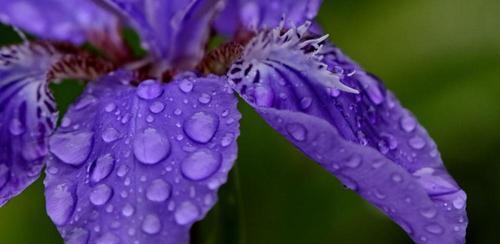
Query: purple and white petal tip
x=75, y=21
x=346, y=120
x=27, y=115
x=141, y=164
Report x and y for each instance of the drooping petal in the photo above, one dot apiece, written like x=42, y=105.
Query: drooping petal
x=362, y=134
x=140, y=165
x=257, y=14
x=27, y=115
x=175, y=31
x=62, y=20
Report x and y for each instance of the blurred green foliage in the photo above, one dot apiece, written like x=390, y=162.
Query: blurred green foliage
x=441, y=58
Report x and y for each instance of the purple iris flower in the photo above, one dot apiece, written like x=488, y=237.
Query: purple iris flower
x=140, y=156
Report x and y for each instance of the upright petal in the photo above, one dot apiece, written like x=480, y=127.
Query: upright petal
x=62, y=20
x=345, y=119
x=175, y=31
x=256, y=14
x=27, y=115
x=141, y=164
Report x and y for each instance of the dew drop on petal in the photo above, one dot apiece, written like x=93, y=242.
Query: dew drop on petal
x=60, y=203
x=71, y=148
x=100, y=194
x=204, y=98
x=103, y=167
x=227, y=139
x=156, y=107
x=434, y=229
x=428, y=213
x=151, y=224
x=297, y=131
x=110, y=135
x=128, y=210
x=201, y=164
x=408, y=123
x=186, y=213
x=150, y=147
x=149, y=89
x=305, y=102
x=201, y=126
x=158, y=191
x=186, y=86
x=417, y=142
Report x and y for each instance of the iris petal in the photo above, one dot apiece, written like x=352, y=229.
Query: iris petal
x=257, y=14
x=27, y=115
x=364, y=136
x=62, y=20
x=174, y=31
x=141, y=164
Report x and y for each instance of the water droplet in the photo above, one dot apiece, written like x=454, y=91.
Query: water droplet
x=396, y=178
x=158, y=191
x=122, y=170
x=156, y=107
x=378, y=194
x=150, y=147
x=186, y=86
x=71, y=148
x=108, y=238
x=408, y=123
x=151, y=224
x=16, y=128
x=100, y=194
x=353, y=162
x=305, y=103
x=201, y=164
x=227, y=139
x=458, y=202
x=417, y=142
x=434, y=229
x=186, y=213
x=149, y=89
x=205, y=98
x=201, y=126
x=110, y=135
x=428, y=213
x=103, y=167
x=60, y=203
x=110, y=107
x=297, y=131
x=128, y=210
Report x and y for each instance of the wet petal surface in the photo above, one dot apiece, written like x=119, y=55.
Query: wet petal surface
x=27, y=115
x=362, y=135
x=257, y=14
x=140, y=164
x=175, y=31
x=63, y=20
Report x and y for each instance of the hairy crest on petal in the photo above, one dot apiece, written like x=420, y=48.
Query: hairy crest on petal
x=365, y=138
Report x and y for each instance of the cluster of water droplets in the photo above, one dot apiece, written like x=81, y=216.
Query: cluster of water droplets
x=150, y=157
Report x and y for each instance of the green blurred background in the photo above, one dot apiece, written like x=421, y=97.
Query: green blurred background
x=442, y=59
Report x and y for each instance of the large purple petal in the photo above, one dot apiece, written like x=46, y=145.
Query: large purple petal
x=140, y=165
x=27, y=115
x=62, y=20
x=256, y=14
x=362, y=135
x=175, y=31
